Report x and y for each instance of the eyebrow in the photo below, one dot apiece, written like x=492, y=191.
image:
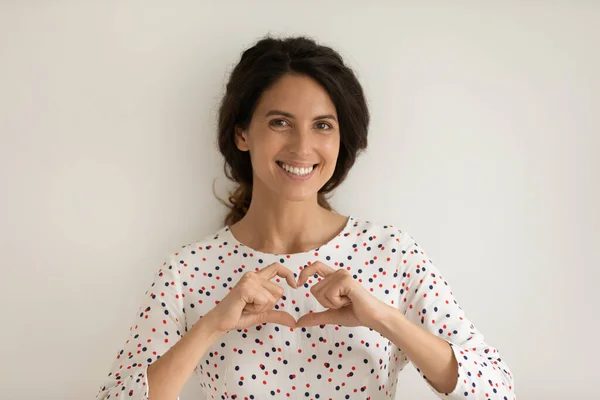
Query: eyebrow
x=286, y=114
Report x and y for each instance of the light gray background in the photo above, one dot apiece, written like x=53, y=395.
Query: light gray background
x=483, y=145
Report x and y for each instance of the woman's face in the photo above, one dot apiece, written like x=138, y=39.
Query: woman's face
x=293, y=139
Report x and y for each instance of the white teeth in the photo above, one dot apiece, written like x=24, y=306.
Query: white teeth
x=296, y=170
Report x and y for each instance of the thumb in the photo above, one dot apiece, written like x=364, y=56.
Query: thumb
x=330, y=316
x=279, y=317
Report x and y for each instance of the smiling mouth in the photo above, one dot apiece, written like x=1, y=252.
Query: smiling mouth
x=298, y=171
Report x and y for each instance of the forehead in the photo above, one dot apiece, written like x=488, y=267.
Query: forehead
x=297, y=94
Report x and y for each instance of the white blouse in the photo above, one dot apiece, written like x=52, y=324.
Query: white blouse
x=323, y=362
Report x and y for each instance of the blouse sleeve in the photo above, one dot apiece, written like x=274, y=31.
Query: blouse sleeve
x=427, y=300
x=158, y=325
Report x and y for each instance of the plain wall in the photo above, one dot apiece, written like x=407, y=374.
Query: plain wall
x=483, y=145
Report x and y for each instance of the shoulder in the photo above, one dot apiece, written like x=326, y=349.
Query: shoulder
x=380, y=233
x=195, y=251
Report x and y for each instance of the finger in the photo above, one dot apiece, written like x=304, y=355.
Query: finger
x=279, y=317
x=340, y=291
x=330, y=316
x=315, y=268
x=337, y=300
x=318, y=291
x=323, y=300
x=331, y=294
x=273, y=288
x=343, y=316
x=259, y=299
x=277, y=269
x=322, y=284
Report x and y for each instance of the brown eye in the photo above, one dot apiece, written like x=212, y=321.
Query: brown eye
x=278, y=122
x=323, y=126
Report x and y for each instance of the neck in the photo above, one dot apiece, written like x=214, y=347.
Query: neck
x=285, y=227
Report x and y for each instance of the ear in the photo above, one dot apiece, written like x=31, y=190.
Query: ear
x=241, y=139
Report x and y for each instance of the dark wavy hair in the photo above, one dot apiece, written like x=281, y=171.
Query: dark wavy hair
x=258, y=69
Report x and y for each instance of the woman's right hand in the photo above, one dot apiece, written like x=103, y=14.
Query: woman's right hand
x=250, y=302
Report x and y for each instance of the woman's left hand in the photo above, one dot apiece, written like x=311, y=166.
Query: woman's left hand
x=348, y=302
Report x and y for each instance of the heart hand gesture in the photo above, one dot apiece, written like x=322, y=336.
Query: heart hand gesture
x=348, y=302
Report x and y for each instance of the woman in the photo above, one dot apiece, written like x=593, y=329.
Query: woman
x=291, y=299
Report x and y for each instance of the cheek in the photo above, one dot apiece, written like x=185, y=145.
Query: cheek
x=331, y=150
x=262, y=151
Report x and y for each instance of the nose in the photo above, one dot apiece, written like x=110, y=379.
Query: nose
x=301, y=144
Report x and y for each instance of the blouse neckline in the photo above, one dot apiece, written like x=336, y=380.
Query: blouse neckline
x=330, y=243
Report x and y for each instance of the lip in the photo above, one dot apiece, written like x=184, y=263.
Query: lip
x=298, y=164
x=297, y=177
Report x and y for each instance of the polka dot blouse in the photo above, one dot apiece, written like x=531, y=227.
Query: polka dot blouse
x=322, y=362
